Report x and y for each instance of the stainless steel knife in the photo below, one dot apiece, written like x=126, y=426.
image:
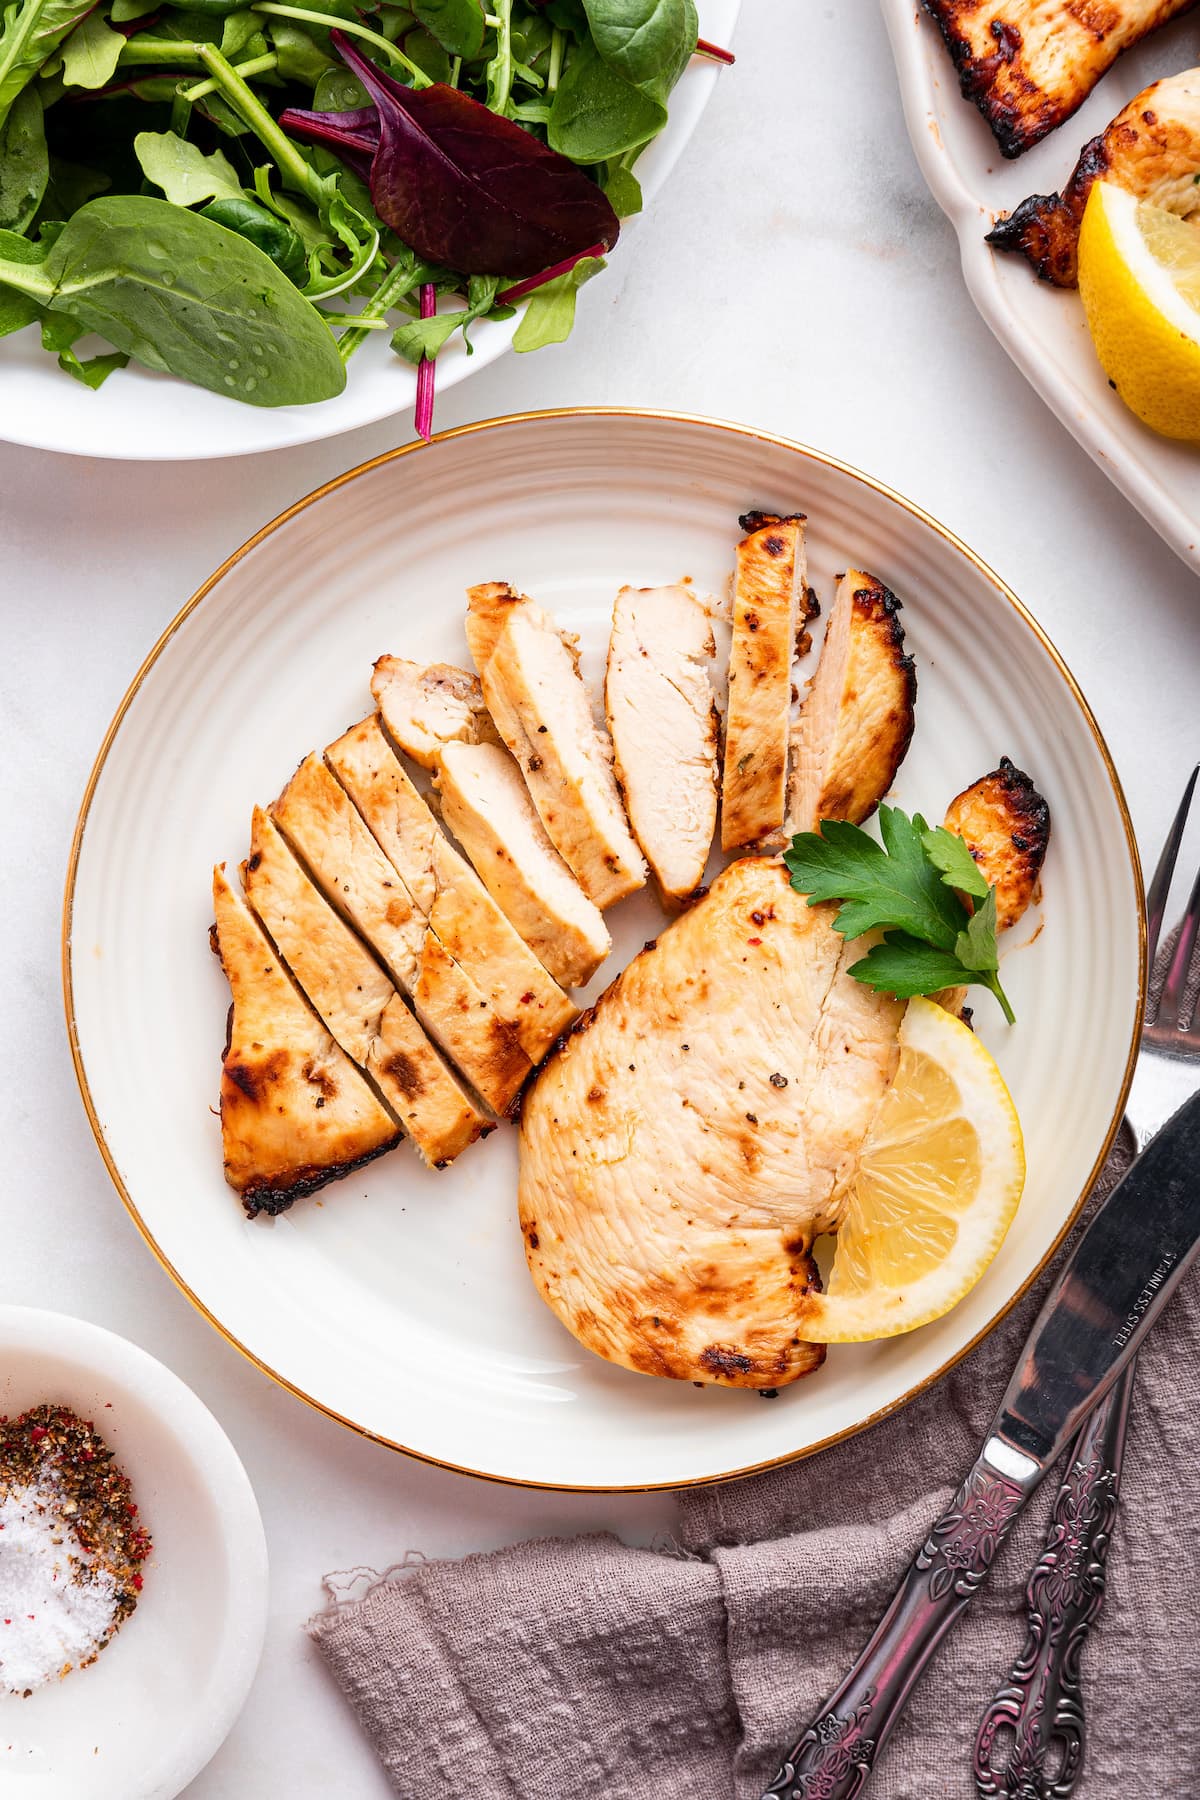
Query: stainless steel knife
x=1110, y=1292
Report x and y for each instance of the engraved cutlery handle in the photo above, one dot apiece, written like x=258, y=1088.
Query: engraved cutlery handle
x=834, y=1758
x=1031, y=1740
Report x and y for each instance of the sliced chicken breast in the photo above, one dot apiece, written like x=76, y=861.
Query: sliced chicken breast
x=856, y=722
x=1152, y=149
x=448, y=893
x=489, y=607
x=771, y=603
x=542, y=710
x=1029, y=64
x=356, y=1000
x=486, y=805
x=698, y=1129
x=1005, y=824
x=295, y=1112
x=665, y=730
x=426, y=706
x=318, y=818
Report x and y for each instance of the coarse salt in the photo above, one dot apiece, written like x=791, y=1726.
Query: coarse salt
x=56, y=1611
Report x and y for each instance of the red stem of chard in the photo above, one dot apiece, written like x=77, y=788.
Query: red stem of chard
x=714, y=52
x=423, y=417
x=519, y=289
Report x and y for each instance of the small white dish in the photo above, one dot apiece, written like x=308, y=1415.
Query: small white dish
x=141, y=416
x=1042, y=327
x=398, y=1300
x=161, y=1698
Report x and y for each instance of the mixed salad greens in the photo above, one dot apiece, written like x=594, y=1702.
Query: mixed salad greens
x=240, y=193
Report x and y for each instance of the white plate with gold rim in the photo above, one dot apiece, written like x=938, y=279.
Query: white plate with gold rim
x=399, y=1301
x=1043, y=328
x=140, y=415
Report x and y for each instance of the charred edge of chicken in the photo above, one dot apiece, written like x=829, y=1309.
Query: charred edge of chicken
x=1008, y=803
x=882, y=606
x=272, y=1196
x=1020, y=118
x=1044, y=229
x=753, y=521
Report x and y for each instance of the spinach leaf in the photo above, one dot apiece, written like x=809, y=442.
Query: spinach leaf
x=301, y=57
x=181, y=293
x=60, y=333
x=624, y=190
x=17, y=309
x=31, y=31
x=597, y=114
x=89, y=55
x=275, y=236
x=640, y=38
x=550, y=314
x=424, y=51
x=183, y=172
x=238, y=33
x=458, y=25
x=24, y=161
x=123, y=12
x=70, y=186
x=340, y=91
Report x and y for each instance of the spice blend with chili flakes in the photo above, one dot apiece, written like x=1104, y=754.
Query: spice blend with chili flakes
x=71, y=1547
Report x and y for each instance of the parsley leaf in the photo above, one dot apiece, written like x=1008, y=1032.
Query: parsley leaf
x=909, y=888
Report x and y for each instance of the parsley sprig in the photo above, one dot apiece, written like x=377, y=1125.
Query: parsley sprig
x=909, y=888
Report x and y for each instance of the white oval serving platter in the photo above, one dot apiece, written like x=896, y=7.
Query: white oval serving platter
x=399, y=1301
x=1043, y=327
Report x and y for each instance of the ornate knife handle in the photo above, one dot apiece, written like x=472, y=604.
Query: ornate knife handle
x=834, y=1758
x=1041, y=1704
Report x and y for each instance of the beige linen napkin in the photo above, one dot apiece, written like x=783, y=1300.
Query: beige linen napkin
x=588, y=1669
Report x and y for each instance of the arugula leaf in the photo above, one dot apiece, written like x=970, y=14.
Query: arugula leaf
x=89, y=55
x=183, y=172
x=908, y=888
x=947, y=852
x=31, y=31
x=24, y=161
x=550, y=314
x=60, y=332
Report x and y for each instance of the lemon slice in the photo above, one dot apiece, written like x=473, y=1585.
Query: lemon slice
x=937, y=1187
x=1139, y=280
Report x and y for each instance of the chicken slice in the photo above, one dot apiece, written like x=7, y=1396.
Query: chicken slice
x=1029, y=64
x=357, y=1002
x=542, y=710
x=447, y=892
x=1152, y=149
x=856, y=722
x=489, y=607
x=487, y=806
x=425, y=707
x=318, y=818
x=295, y=1112
x=771, y=604
x=665, y=730
x=1005, y=824
x=698, y=1129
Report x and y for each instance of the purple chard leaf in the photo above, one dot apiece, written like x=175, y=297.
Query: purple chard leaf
x=462, y=186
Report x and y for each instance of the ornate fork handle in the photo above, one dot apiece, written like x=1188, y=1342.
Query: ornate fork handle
x=1041, y=1704
x=836, y=1754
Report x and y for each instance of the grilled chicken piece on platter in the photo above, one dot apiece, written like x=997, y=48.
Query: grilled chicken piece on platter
x=856, y=721
x=698, y=1129
x=356, y=1001
x=1029, y=64
x=318, y=818
x=771, y=604
x=1152, y=149
x=487, y=806
x=1005, y=824
x=665, y=730
x=295, y=1112
x=427, y=705
x=447, y=892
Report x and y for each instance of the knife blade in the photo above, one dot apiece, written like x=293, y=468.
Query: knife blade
x=1109, y=1294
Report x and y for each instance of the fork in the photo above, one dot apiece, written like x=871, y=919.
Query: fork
x=1031, y=1739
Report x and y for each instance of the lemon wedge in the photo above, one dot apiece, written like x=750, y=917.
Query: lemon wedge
x=1139, y=280
x=938, y=1183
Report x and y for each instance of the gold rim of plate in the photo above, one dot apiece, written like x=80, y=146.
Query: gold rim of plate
x=524, y=418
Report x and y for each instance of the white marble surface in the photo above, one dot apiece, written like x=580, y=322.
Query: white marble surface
x=795, y=275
